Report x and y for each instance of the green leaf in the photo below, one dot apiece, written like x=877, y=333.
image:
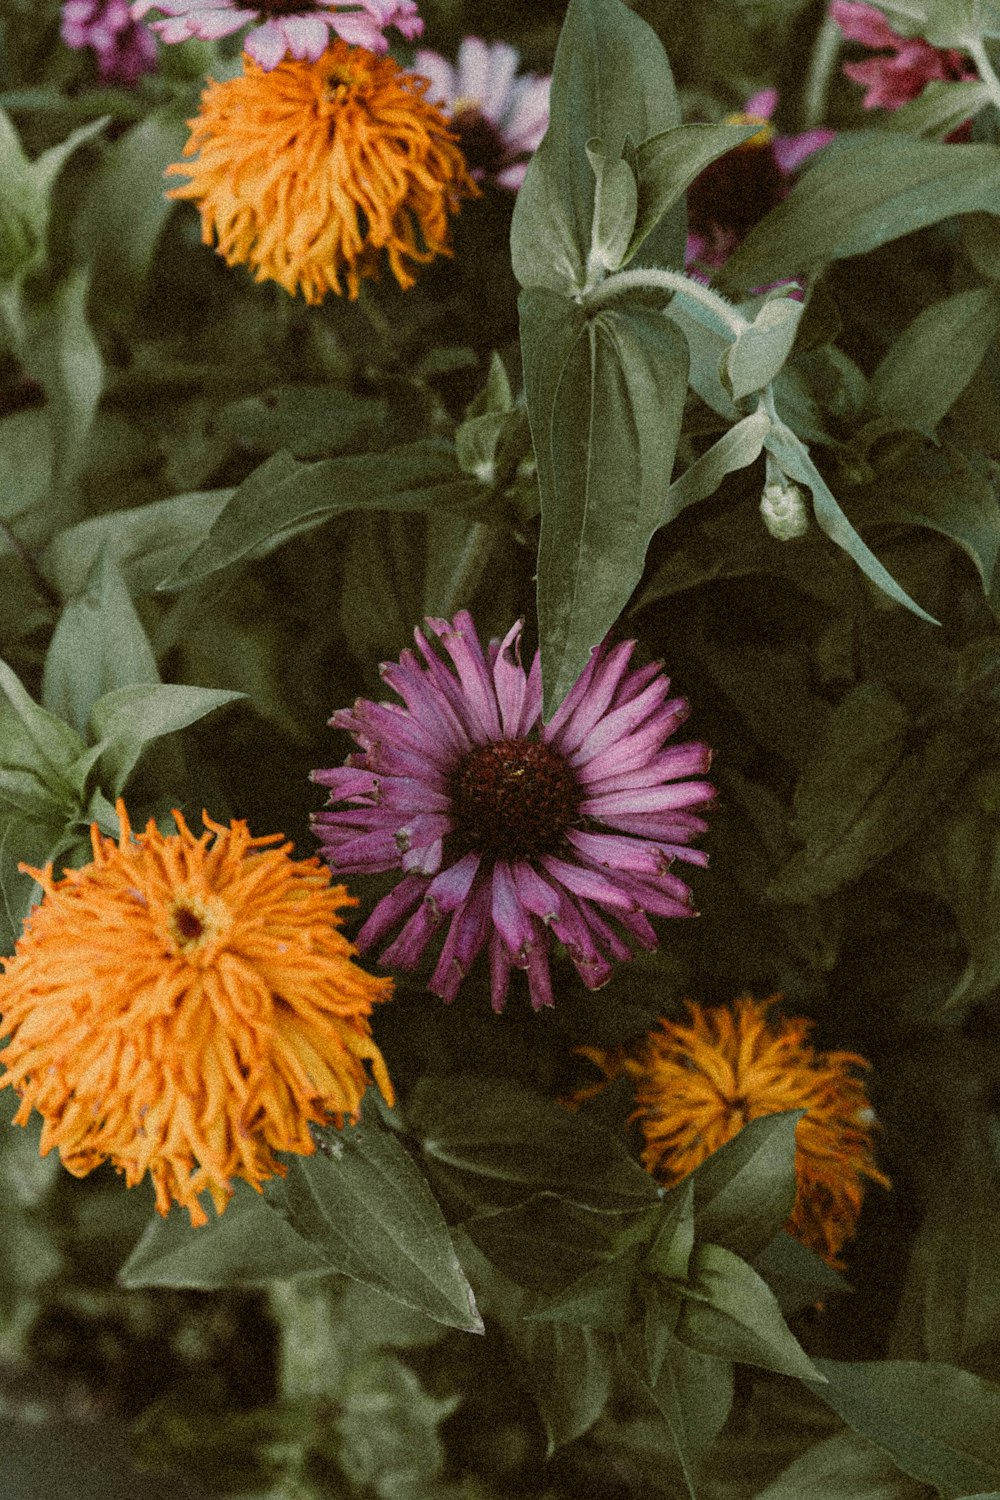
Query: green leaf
x=946, y=491
x=98, y=645
x=796, y=1275
x=864, y=790
x=284, y=498
x=739, y=447
x=60, y=351
x=793, y=456
x=611, y=79
x=547, y=1244
x=864, y=190
x=38, y=752
x=731, y=1313
x=694, y=1393
x=616, y=200
x=933, y=360
x=23, y=210
x=963, y=860
x=366, y=1209
x=939, y=109
x=506, y=1143
x=669, y=1253
x=755, y=357
x=601, y=1298
x=33, y=840
x=400, y=1454
x=147, y=542
x=667, y=163
x=124, y=721
x=842, y=1467
x=247, y=1245
x=310, y=421
x=939, y=1424
x=744, y=1192
x=126, y=208
x=605, y=397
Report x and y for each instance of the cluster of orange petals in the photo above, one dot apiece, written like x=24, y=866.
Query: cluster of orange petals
x=186, y=1006
x=697, y=1083
x=309, y=172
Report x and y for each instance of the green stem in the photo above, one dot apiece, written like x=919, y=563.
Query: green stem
x=987, y=72
x=825, y=52
x=654, y=278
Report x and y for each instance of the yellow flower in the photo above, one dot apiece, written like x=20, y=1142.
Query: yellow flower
x=308, y=172
x=698, y=1083
x=185, y=1006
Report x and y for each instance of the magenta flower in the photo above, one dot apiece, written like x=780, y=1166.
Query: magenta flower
x=283, y=28
x=507, y=829
x=734, y=193
x=123, y=47
x=907, y=64
x=500, y=118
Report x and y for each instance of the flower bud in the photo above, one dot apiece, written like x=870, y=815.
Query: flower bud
x=784, y=510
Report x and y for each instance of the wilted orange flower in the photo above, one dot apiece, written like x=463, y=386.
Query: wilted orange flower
x=308, y=172
x=698, y=1083
x=185, y=1006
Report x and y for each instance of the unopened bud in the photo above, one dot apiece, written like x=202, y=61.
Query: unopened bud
x=784, y=510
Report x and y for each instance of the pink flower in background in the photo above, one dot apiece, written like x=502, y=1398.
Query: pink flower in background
x=500, y=118
x=734, y=193
x=907, y=64
x=124, y=48
x=505, y=829
x=283, y=28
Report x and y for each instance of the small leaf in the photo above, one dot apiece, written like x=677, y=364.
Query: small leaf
x=796, y=1275
x=127, y=719
x=673, y=1241
x=744, y=1192
x=939, y=109
x=756, y=356
x=668, y=162
x=616, y=200
x=938, y=1423
x=366, y=1209
x=38, y=752
x=933, y=360
x=98, y=645
x=739, y=447
x=548, y=1245
x=731, y=1313
x=247, y=1245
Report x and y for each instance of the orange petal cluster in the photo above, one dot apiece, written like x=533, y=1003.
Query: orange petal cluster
x=697, y=1083
x=309, y=172
x=186, y=1006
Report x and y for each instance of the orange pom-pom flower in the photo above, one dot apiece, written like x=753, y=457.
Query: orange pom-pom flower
x=309, y=172
x=186, y=1006
x=697, y=1083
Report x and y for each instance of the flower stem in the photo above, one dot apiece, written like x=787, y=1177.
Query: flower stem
x=826, y=50
x=655, y=278
x=987, y=72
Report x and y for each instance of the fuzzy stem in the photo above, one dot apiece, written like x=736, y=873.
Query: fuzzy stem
x=987, y=72
x=655, y=278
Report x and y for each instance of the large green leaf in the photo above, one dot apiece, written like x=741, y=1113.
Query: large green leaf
x=249, y=1244
x=611, y=79
x=605, y=397
x=938, y=1423
x=284, y=498
x=933, y=360
x=502, y=1143
x=98, y=645
x=668, y=162
x=744, y=1192
x=731, y=1313
x=842, y=1467
x=549, y=1245
x=865, y=190
x=123, y=722
x=366, y=1209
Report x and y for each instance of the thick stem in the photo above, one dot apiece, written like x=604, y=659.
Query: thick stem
x=653, y=278
x=987, y=73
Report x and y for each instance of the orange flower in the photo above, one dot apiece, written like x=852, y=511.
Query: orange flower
x=307, y=172
x=698, y=1084
x=185, y=1006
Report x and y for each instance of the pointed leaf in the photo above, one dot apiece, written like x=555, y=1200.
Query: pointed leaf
x=668, y=162
x=737, y=448
x=731, y=1313
x=744, y=1192
x=933, y=360
x=127, y=719
x=366, y=1209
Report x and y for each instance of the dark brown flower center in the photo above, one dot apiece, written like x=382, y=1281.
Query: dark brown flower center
x=187, y=924
x=481, y=143
x=736, y=190
x=514, y=799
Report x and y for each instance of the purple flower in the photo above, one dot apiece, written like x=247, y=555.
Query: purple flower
x=507, y=829
x=499, y=118
x=125, y=49
x=285, y=28
x=735, y=191
x=904, y=65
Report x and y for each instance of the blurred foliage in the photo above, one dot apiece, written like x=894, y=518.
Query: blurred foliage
x=220, y=510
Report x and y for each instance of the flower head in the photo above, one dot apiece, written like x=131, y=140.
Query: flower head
x=499, y=118
x=507, y=829
x=308, y=172
x=697, y=1083
x=285, y=28
x=123, y=47
x=186, y=1006
x=736, y=190
x=905, y=65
